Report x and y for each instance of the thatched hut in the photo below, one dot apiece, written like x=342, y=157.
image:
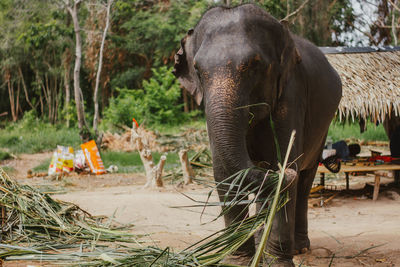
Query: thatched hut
x=371, y=85
x=371, y=81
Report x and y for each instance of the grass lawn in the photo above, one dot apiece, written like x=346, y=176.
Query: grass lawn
x=130, y=161
x=43, y=167
x=344, y=131
x=4, y=155
x=40, y=137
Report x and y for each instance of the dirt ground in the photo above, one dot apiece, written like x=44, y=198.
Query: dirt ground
x=351, y=230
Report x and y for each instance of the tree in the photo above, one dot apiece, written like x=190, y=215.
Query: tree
x=96, y=89
x=73, y=8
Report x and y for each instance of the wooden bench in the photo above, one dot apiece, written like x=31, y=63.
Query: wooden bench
x=349, y=169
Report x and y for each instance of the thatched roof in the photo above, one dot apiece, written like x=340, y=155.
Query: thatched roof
x=371, y=81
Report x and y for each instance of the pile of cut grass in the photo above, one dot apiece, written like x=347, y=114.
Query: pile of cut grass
x=207, y=252
x=29, y=216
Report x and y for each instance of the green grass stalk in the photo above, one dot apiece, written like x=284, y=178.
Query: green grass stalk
x=267, y=229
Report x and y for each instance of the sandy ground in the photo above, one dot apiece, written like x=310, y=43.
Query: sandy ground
x=351, y=230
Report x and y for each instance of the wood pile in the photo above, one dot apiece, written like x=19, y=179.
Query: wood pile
x=122, y=142
x=191, y=139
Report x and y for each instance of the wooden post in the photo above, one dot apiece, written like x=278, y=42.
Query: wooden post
x=347, y=181
x=188, y=173
x=376, y=186
x=153, y=173
x=157, y=181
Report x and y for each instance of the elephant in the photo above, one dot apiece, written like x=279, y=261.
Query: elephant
x=236, y=58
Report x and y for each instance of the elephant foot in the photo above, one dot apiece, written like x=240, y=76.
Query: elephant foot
x=301, y=251
x=302, y=244
x=277, y=262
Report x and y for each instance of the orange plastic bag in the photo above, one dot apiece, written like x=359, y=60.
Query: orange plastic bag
x=93, y=158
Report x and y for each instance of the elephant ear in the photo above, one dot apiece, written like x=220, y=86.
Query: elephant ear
x=290, y=56
x=184, y=69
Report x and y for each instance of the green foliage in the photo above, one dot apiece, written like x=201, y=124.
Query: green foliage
x=29, y=120
x=69, y=113
x=128, y=162
x=39, y=35
x=157, y=103
x=33, y=136
x=150, y=33
x=4, y=155
x=155, y=31
x=338, y=131
x=43, y=166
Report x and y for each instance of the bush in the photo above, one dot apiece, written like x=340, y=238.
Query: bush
x=156, y=103
x=4, y=155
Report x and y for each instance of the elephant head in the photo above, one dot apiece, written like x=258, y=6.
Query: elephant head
x=234, y=60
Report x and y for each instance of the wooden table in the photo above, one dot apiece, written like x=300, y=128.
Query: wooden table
x=357, y=168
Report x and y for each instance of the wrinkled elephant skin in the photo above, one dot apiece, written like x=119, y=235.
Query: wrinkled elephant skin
x=236, y=58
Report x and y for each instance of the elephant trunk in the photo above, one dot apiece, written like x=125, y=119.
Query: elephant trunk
x=227, y=122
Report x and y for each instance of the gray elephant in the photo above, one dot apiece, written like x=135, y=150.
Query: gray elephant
x=237, y=57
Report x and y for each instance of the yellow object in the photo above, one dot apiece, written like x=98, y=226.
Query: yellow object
x=93, y=158
x=62, y=160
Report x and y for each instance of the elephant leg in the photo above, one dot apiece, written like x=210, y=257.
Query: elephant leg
x=306, y=178
x=237, y=214
x=281, y=240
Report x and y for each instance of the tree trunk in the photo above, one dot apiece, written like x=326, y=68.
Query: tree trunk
x=153, y=172
x=46, y=88
x=17, y=106
x=11, y=96
x=25, y=89
x=41, y=103
x=83, y=128
x=96, y=89
x=67, y=77
x=187, y=171
x=185, y=101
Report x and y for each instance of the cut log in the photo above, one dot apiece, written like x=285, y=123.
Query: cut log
x=188, y=173
x=153, y=173
x=157, y=181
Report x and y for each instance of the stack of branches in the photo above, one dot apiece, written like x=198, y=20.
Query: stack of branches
x=191, y=139
x=29, y=216
x=201, y=162
x=122, y=142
